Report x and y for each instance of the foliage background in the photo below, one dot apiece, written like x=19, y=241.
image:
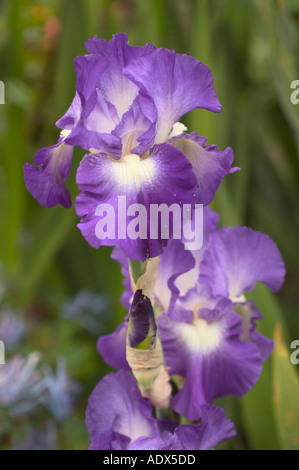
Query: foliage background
x=251, y=47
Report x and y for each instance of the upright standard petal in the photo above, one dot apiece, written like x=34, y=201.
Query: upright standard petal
x=103, y=94
x=46, y=182
x=72, y=116
x=116, y=88
x=235, y=260
x=137, y=127
x=177, y=83
x=93, y=117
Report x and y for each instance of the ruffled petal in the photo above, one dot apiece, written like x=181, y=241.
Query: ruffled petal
x=213, y=429
x=209, y=164
x=250, y=315
x=115, y=87
x=176, y=82
x=72, y=116
x=91, y=117
x=46, y=183
x=173, y=263
x=235, y=260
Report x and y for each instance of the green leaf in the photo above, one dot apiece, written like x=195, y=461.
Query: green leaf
x=257, y=405
x=257, y=411
x=286, y=392
x=50, y=233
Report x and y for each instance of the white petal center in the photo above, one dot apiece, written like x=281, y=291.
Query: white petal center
x=200, y=335
x=131, y=170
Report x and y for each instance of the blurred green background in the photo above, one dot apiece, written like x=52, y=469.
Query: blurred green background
x=252, y=49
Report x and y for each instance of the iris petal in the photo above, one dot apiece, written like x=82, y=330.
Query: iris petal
x=235, y=260
x=177, y=83
x=46, y=183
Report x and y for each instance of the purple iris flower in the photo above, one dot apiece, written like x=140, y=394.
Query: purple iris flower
x=119, y=418
x=236, y=259
x=126, y=113
x=203, y=345
x=213, y=327
x=233, y=262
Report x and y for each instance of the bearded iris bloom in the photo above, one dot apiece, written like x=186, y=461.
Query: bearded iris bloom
x=119, y=418
x=212, y=324
x=126, y=112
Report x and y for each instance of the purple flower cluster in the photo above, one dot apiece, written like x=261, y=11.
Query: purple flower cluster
x=126, y=113
x=208, y=328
